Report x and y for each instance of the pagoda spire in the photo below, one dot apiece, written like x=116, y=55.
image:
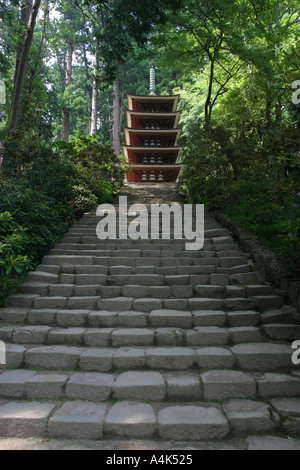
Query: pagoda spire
x=152, y=78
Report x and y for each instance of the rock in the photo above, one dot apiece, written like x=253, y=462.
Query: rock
x=130, y=419
x=78, y=419
x=192, y=423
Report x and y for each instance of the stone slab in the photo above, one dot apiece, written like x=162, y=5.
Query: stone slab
x=207, y=336
x=14, y=355
x=183, y=387
x=130, y=419
x=278, y=385
x=287, y=407
x=272, y=443
x=96, y=360
x=215, y=358
x=172, y=358
x=49, y=386
x=140, y=385
x=263, y=356
x=90, y=386
x=78, y=419
x=247, y=416
x=129, y=358
x=170, y=318
x=224, y=384
x=13, y=383
x=132, y=337
x=23, y=419
x=192, y=423
x=209, y=318
x=53, y=357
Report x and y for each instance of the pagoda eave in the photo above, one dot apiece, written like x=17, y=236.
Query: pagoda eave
x=137, y=115
x=134, y=100
x=153, y=173
x=132, y=134
x=149, y=150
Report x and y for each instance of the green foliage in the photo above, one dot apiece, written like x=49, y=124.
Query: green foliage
x=232, y=61
x=230, y=175
x=95, y=163
x=13, y=263
x=40, y=198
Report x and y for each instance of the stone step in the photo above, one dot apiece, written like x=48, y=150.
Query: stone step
x=190, y=260
x=89, y=420
x=153, y=258
x=219, y=279
x=146, y=385
x=242, y=324
x=156, y=334
x=124, y=303
x=142, y=339
x=153, y=252
x=258, y=356
x=251, y=278
x=178, y=245
x=279, y=331
x=238, y=320
x=263, y=356
x=150, y=386
x=286, y=314
x=174, y=287
x=134, y=285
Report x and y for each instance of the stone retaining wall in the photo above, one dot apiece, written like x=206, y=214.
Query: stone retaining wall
x=265, y=260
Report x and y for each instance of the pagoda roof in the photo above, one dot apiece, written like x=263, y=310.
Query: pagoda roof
x=154, y=132
x=138, y=167
x=150, y=149
x=161, y=115
x=153, y=98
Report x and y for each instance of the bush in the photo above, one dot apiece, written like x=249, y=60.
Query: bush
x=13, y=264
x=95, y=162
x=40, y=197
x=259, y=190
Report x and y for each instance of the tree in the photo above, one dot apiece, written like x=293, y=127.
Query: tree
x=68, y=81
x=118, y=103
x=94, y=108
x=21, y=63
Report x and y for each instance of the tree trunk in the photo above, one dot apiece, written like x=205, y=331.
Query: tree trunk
x=68, y=80
x=26, y=9
x=21, y=66
x=94, y=112
x=122, y=96
x=116, y=114
x=208, y=104
x=268, y=111
x=88, y=89
x=38, y=60
x=278, y=111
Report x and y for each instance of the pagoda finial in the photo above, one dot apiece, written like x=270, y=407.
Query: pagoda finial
x=152, y=78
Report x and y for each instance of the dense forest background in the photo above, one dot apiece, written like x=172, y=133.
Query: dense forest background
x=65, y=70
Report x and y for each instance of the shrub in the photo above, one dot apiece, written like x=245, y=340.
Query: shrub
x=95, y=162
x=257, y=186
x=41, y=194
x=13, y=263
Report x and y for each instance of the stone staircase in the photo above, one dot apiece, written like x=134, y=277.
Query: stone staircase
x=117, y=340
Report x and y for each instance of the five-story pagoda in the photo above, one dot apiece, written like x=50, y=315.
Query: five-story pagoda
x=152, y=135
